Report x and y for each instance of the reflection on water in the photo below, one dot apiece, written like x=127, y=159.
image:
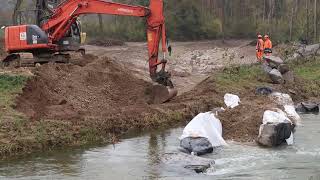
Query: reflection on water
x=142, y=158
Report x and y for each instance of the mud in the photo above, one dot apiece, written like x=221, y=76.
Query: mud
x=241, y=124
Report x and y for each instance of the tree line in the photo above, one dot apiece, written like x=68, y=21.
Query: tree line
x=283, y=20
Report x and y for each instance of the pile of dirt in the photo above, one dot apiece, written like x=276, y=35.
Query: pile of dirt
x=94, y=90
x=106, y=42
x=242, y=123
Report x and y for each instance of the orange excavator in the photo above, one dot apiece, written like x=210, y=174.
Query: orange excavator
x=58, y=32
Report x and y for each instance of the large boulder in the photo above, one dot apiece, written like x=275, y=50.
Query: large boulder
x=274, y=60
x=283, y=68
x=310, y=50
x=274, y=134
x=202, y=134
x=276, y=76
x=276, y=129
x=288, y=77
x=305, y=107
x=196, y=146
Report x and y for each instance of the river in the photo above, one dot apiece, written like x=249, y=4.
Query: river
x=141, y=158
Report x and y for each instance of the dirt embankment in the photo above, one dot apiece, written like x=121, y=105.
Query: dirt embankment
x=104, y=93
x=66, y=92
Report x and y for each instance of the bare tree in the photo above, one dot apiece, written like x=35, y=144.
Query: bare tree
x=100, y=23
x=307, y=13
x=315, y=20
x=15, y=12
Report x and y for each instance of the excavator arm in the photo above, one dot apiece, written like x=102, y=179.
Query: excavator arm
x=66, y=14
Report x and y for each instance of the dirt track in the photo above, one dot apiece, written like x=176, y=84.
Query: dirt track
x=190, y=63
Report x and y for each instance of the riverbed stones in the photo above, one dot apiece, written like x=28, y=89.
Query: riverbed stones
x=187, y=161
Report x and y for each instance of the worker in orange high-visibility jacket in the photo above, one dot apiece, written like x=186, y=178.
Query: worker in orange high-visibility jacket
x=259, y=48
x=267, y=45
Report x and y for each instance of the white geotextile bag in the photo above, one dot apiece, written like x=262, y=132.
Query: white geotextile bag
x=277, y=116
x=231, y=100
x=205, y=125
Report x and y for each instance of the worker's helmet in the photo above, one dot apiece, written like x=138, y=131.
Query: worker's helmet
x=266, y=36
x=259, y=36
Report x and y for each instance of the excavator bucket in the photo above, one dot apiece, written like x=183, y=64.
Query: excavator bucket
x=159, y=94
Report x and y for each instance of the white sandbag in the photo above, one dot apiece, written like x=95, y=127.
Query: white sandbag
x=282, y=99
x=276, y=116
x=292, y=114
x=205, y=125
x=290, y=139
x=231, y=100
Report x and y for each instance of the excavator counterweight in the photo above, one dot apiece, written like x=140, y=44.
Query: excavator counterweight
x=58, y=32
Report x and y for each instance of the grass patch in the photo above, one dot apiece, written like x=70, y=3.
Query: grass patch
x=10, y=86
x=307, y=69
x=240, y=78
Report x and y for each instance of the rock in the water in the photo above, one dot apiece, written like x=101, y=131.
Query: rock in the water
x=276, y=76
x=264, y=90
x=197, y=146
x=308, y=107
x=274, y=134
x=198, y=168
x=182, y=160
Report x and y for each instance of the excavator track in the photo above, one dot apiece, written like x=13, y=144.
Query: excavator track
x=29, y=60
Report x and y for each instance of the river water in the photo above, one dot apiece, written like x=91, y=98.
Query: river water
x=142, y=158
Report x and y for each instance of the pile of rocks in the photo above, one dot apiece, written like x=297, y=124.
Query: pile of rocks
x=306, y=51
x=277, y=70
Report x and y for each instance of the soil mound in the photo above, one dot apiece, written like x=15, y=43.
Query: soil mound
x=97, y=89
x=242, y=123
